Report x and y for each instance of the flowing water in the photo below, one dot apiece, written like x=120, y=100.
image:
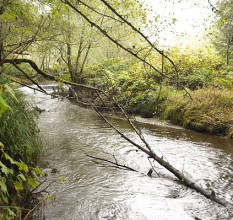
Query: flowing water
x=94, y=191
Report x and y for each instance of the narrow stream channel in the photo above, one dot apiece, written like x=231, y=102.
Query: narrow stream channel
x=92, y=191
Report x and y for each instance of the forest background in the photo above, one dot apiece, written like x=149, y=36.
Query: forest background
x=84, y=44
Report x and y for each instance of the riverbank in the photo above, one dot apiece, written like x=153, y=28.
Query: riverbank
x=210, y=111
x=205, y=106
x=207, y=110
x=20, y=149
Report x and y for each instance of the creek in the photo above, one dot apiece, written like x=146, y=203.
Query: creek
x=93, y=191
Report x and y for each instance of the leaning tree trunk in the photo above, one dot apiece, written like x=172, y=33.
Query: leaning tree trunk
x=151, y=154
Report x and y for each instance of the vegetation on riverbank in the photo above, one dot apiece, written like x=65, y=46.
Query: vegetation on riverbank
x=207, y=105
x=20, y=147
x=210, y=111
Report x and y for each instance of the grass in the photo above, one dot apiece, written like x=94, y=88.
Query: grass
x=18, y=130
x=210, y=111
x=19, y=135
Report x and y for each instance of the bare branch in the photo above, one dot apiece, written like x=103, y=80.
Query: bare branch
x=116, y=164
x=120, y=45
x=139, y=32
x=104, y=15
x=152, y=166
x=184, y=179
x=24, y=73
x=23, y=84
x=45, y=74
x=213, y=8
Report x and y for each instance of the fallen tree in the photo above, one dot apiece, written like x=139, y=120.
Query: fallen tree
x=148, y=150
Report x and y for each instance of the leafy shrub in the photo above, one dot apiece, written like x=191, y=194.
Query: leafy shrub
x=19, y=148
x=144, y=92
x=18, y=130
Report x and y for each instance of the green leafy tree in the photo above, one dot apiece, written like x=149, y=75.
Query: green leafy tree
x=19, y=27
x=77, y=42
x=223, y=29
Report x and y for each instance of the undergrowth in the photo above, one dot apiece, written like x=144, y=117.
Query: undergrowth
x=143, y=91
x=19, y=149
x=18, y=131
x=210, y=111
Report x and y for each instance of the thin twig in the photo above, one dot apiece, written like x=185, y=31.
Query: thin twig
x=152, y=166
x=24, y=73
x=114, y=163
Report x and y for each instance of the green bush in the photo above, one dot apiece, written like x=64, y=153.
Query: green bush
x=19, y=149
x=18, y=130
x=143, y=91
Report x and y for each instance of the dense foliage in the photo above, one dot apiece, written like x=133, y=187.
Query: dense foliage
x=20, y=147
x=141, y=91
x=223, y=28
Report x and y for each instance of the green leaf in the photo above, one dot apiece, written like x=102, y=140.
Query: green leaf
x=8, y=158
x=61, y=84
x=4, y=198
x=63, y=180
x=32, y=182
x=18, y=185
x=5, y=169
x=10, y=212
x=37, y=169
x=3, y=106
x=11, y=92
x=35, y=175
x=174, y=20
x=21, y=177
x=23, y=166
x=3, y=185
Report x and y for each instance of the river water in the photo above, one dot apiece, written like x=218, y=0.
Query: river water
x=93, y=191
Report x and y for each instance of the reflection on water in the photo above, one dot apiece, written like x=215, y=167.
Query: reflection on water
x=92, y=191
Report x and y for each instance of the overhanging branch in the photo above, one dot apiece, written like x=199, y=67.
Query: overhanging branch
x=25, y=74
x=139, y=32
x=104, y=32
x=45, y=74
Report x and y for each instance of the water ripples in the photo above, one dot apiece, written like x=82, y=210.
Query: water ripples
x=96, y=192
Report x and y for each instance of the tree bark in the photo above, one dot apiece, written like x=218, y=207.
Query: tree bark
x=80, y=49
x=83, y=64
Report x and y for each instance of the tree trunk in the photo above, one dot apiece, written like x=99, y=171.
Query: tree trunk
x=80, y=49
x=83, y=64
x=69, y=62
x=149, y=151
